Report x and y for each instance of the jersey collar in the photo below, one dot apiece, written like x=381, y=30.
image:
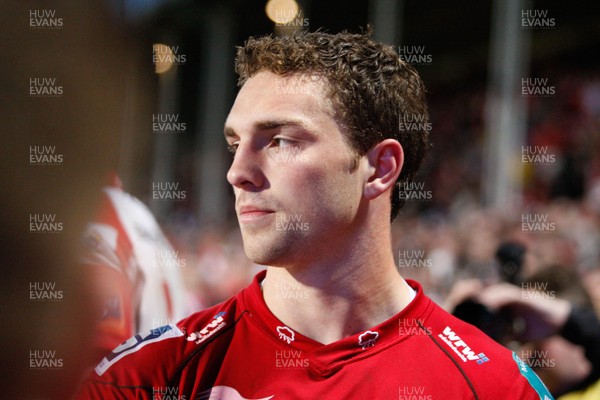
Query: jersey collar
x=327, y=359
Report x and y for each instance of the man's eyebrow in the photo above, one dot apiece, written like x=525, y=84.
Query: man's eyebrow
x=274, y=124
x=266, y=125
x=229, y=132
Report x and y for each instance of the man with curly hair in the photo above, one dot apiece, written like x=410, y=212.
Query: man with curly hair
x=320, y=155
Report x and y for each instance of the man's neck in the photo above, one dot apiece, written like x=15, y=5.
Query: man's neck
x=330, y=301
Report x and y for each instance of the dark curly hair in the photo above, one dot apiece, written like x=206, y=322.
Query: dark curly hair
x=371, y=88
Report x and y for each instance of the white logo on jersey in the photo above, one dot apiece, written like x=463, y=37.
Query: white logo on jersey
x=286, y=334
x=455, y=342
x=224, y=393
x=136, y=342
x=214, y=326
x=368, y=339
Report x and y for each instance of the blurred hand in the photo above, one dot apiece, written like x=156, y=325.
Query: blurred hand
x=543, y=315
x=461, y=291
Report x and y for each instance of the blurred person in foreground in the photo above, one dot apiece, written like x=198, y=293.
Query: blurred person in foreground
x=136, y=271
x=320, y=151
x=46, y=306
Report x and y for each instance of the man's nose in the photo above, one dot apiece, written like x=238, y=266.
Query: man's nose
x=245, y=171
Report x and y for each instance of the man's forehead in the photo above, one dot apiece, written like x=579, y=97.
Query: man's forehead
x=265, y=95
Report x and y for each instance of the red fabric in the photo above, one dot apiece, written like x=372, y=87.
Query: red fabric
x=240, y=350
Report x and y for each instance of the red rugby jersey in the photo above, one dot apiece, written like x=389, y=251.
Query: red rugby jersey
x=240, y=350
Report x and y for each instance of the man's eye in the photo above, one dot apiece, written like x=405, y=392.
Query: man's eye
x=282, y=143
x=232, y=148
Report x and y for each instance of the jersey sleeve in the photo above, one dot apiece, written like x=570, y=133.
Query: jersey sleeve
x=137, y=368
x=532, y=386
x=489, y=369
x=149, y=365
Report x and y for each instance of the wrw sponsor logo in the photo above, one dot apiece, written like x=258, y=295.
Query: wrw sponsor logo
x=460, y=348
x=209, y=330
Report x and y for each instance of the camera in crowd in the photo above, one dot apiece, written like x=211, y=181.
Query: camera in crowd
x=506, y=324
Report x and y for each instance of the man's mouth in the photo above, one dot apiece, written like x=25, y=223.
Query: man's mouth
x=250, y=214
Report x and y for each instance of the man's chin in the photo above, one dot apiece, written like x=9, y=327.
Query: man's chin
x=264, y=254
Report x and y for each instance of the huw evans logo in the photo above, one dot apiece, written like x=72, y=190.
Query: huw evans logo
x=44, y=156
x=290, y=290
x=458, y=346
x=44, y=359
x=167, y=393
x=537, y=87
x=412, y=327
x=414, y=191
x=290, y=222
x=44, y=223
x=44, y=19
x=537, y=223
x=413, y=393
x=413, y=259
x=167, y=191
x=290, y=359
x=168, y=259
x=290, y=18
x=168, y=123
x=295, y=84
x=44, y=291
x=45, y=87
x=538, y=359
x=537, y=19
x=414, y=122
x=536, y=290
x=537, y=155
x=291, y=154
x=163, y=54
x=414, y=55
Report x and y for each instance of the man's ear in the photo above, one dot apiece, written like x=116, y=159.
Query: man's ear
x=385, y=163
